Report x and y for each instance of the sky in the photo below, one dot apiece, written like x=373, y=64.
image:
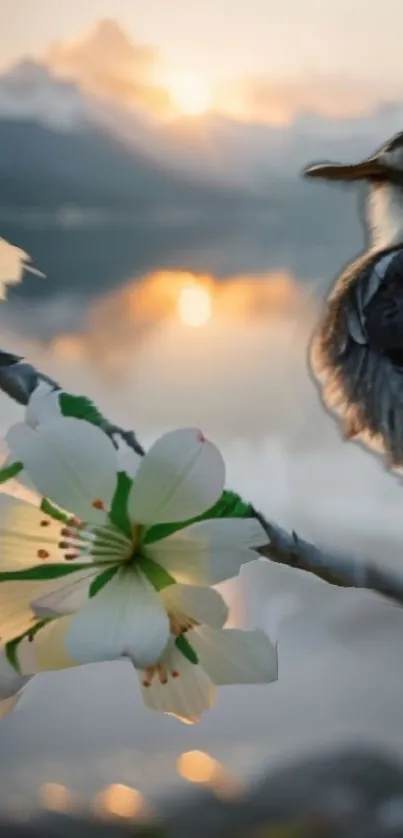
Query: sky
x=232, y=37
x=258, y=59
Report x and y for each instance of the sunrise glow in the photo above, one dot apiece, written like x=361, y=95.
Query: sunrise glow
x=194, y=305
x=190, y=94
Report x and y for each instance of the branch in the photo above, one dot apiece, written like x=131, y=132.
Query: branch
x=343, y=571
x=18, y=379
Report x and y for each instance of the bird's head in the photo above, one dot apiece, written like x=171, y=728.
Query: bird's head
x=383, y=172
x=385, y=166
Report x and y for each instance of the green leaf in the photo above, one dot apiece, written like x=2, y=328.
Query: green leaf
x=186, y=649
x=119, y=513
x=11, y=648
x=80, y=407
x=43, y=571
x=155, y=574
x=10, y=471
x=230, y=505
x=101, y=580
x=54, y=512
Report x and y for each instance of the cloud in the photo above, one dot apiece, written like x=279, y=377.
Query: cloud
x=279, y=101
x=106, y=62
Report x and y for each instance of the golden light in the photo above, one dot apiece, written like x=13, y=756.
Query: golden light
x=69, y=347
x=194, y=305
x=190, y=94
x=55, y=797
x=119, y=801
x=198, y=767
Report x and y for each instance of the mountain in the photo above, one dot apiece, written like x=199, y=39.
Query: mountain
x=41, y=167
x=29, y=92
x=58, y=147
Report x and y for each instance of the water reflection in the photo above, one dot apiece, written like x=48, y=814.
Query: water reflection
x=86, y=257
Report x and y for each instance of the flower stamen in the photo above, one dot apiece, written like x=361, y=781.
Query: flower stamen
x=158, y=670
x=180, y=624
x=162, y=674
x=75, y=540
x=174, y=625
x=75, y=522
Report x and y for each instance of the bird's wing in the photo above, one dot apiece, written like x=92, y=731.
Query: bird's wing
x=383, y=315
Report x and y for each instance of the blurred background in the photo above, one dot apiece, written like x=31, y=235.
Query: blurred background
x=150, y=158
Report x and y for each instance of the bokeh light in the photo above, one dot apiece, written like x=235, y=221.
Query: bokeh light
x=55, y=797
x=119, y=801
x=198, y=767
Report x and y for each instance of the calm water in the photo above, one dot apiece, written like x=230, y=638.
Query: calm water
x=84, y=257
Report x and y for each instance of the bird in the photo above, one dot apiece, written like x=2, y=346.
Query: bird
x=356, y=352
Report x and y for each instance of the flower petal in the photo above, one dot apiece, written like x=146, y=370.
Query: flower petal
x=43, y=405
x=182, y=555
x=17, y=602
x=125, y=619
x=205, y=605
x=71, y=595
x=7, y=706
x=69, y=461
x=233, y=656
x=16, y=615
x=128, y=459
x=21, y=488
x=25, y=531
x=11, y=686
x=46, y=651
x=186, y=695
x=209, y=551
x=181, y=476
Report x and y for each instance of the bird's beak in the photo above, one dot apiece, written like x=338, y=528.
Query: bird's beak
x=370, y=169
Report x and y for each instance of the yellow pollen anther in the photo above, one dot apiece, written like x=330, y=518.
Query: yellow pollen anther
x=98, y=504
x=67, y=532
x=160, y=671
